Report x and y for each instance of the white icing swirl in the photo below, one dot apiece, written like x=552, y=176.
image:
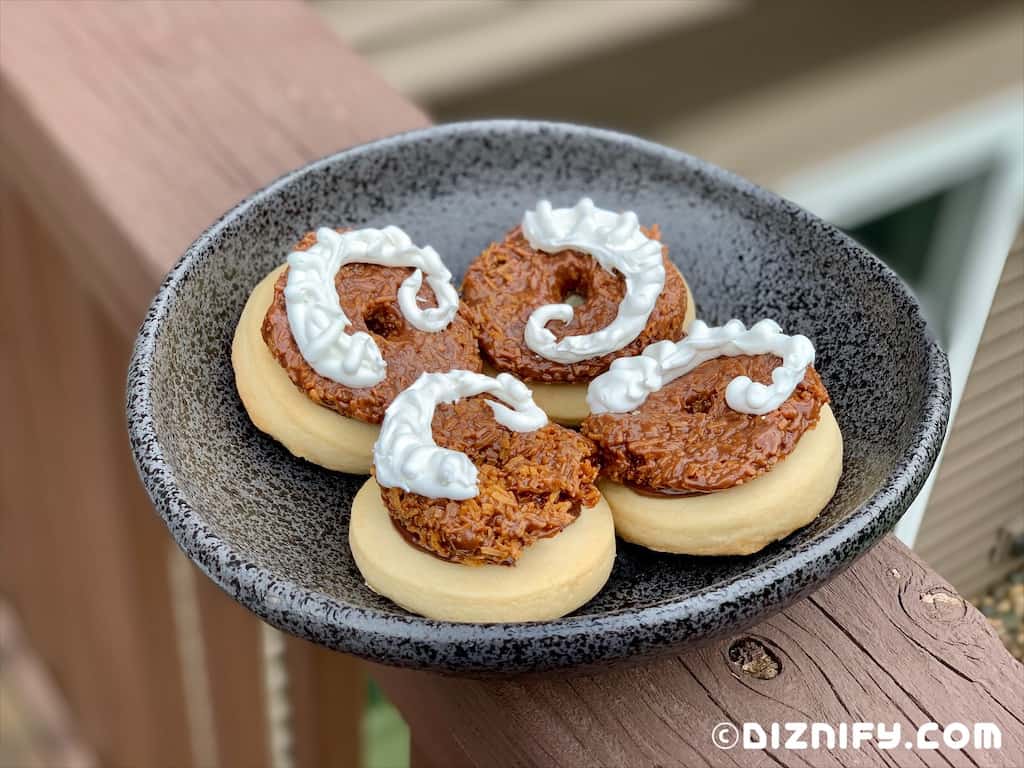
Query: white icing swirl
x=317, y=320
x=617, y=243
x=625, y=386
x=405, y=455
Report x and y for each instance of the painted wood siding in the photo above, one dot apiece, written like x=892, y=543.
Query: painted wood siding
x=980, y=488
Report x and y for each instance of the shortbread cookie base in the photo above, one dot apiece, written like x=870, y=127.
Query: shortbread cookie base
x=553, y=577
x=743, y=519
x=277, y=407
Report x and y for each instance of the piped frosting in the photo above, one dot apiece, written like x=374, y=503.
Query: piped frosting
x=615, y=240
x=405, y=455
x=317, y=320
x=630, y=380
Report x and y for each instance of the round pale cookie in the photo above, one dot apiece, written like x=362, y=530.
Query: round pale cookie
x=277, y=407
x=743, y=519
x=567, y=403
x=553, y=577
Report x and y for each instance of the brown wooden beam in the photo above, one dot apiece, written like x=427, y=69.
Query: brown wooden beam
x=127, y=128
x=134, y=125
x=888, y=641
x=82, y=559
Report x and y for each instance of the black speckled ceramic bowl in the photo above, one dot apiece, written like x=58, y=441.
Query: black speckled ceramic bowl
x=271, y=530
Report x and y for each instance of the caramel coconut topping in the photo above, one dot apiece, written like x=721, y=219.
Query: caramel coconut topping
x=685, y=438
x=511, y=279
x=531, y=485
x=368, y=294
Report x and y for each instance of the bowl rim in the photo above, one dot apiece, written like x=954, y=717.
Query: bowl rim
x=373, y=634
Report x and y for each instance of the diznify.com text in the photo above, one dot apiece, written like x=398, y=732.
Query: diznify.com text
x=800, y=736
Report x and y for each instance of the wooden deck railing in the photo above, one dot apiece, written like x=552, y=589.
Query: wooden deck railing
x=127, y=128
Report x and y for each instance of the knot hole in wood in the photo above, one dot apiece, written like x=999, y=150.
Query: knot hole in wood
x=943, y=604
x=752, y=657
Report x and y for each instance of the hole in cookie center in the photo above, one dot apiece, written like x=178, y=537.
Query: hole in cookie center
x=382, y=319
x=573, y=293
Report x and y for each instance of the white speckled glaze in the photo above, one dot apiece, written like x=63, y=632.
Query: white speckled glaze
x=626, y=385
x=271, y=530
x=615, y=240
x=405, y=455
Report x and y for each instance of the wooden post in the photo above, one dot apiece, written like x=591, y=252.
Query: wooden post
x=82, y=560
x=127, y=129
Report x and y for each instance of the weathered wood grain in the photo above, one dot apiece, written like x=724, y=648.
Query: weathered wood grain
x=888, y=641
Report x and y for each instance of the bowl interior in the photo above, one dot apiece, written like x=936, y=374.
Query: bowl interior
x=256, y=518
